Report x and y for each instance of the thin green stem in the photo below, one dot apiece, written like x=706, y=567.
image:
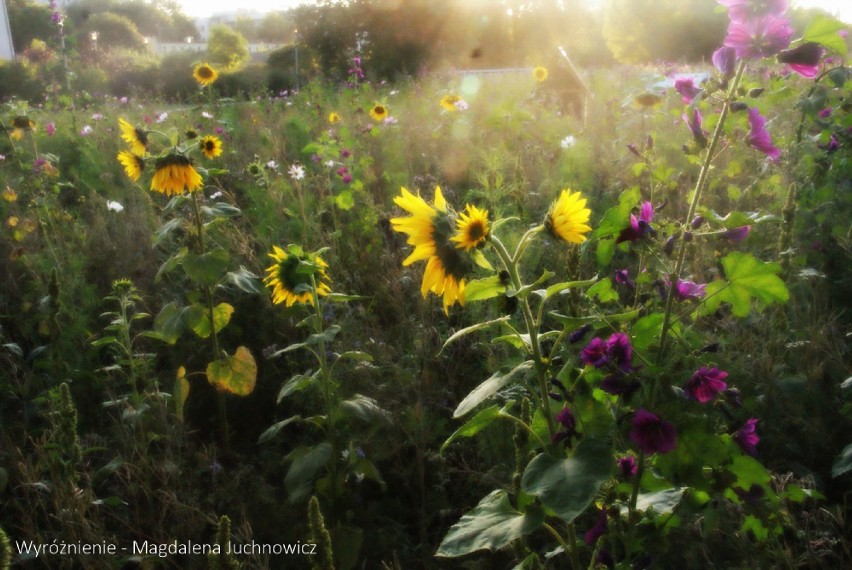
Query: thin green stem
x=637, y=480
x=526, y=426
x=570, y=550
x=511, y=264
x=700, y=184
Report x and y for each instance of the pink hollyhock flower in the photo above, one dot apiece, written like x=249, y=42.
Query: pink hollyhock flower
x=651, y=434
x=803, y=59
x=758, y=136
x=747, y=438
x=639, y=227
x=687, y=89
x=745, y=9
x=685, y=290
x=694, y=123
x=705, y=384
x=725, y=60
x=759, y=37
x=50, y=128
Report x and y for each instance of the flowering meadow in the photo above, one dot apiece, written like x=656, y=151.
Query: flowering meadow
x=442, y=322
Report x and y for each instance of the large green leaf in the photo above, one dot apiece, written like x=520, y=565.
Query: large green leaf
x=306, y=461
x=365, y=408
x=473, y=328
x=221, y=317
x=618, y=217
x=476, y=424
x=207, y=268
x=481, y=289
x=746, y=279
x=245, y=281
x=490, y=387
x=825, y=30
x=843, y=463
x=296, y=384
x=173, y=320
x=662, y=502
x=236, y=374
x=491, y=525
x=568, y=486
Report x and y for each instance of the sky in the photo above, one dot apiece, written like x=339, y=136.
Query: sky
x=200, y=8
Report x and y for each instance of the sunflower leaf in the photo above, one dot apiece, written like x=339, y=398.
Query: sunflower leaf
x=473, y=328
x=207, y=268
x=481, y=289
x=494, y=384
x=236, y=374
x=221, y=317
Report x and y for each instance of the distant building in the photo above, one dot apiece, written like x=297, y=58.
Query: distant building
x=7, y=49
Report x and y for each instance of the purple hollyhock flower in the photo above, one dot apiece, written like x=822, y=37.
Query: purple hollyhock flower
x=599, y=528
x=758, y=136
x=50, y=128
x=744, y=9
x=685, y=290
x=747, y=438
x=737, y=235
x=627, y=466
x=578, y=334
x=652, y=434
x=833, y=144
x=760, y=37
x=687, y=89
x=705, y=384
x=825, y=113
x=725, y=60
x=640, y=226
x=694, y=123
x=622, y=277
x=595, y=353
x=619, y=351
x=569, y=427
x=803, y=59
x=618, y=384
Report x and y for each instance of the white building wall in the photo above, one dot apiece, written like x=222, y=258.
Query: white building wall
x=7, y=50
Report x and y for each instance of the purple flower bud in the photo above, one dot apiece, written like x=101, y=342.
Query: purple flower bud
x=803, y=59
x=739, y=106
x=737, y=235
x=747, y=438
x=725, y=60
x=668, y=248
x=649, y=143
x=578, y=335
x=627, y=466
x=696, y=222
x=632, y=148
x=687, y=237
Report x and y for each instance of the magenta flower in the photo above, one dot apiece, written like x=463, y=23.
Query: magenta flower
x=627, y=466
x=685, y=86
x=745, y=9
x=825, y=113
x=737, y=235
x=599, y=528
x=347, y=178
x=725, y=60
x=640, y=226
x=622, y=277
x=50, y=129
x=694, y=123
x=758, y=136
x=760, y=37
x=705, y=384
x=803, y=59
x=595, y=353
x=578, y=334
x=747, y=438
x=569, y=427
x=619, y=351
x=619, y=384
x=685, y=290
x=652, y=434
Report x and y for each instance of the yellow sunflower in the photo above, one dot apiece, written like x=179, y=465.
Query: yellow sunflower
x=23, y=122
x=429, y=230
x=568, y=217
x=333, y=118
x=133, y=164
x=211, y=146
x=379, y=112
x=448, y=102
x=204, y=74
x=289, y=281
x=647, y=99
x=134, y=136
x=471, y=228
x=540, y=74
x=173, y=174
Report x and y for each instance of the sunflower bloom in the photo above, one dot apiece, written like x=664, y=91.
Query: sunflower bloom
x=211, y=146
x=448, y=102
x=134, y=136
x=568, y=217
x=289, y=282
x=471, y=228
x=133, y=164
x=173, y=174
x=204, y=74
x=333, y=118
x=379, y=112
x=430, y=229
x=540, y=74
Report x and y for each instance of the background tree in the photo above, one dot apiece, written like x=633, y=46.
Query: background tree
x=276, y=27
x=29, y=22
x=113, y=31
x=227, y=48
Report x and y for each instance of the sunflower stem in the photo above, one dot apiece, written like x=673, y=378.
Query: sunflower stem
x=510, y=263
x=700, y=184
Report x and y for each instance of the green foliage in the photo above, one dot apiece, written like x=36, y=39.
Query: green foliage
x=227, y=48
x=491, y=525
x=746, y=279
